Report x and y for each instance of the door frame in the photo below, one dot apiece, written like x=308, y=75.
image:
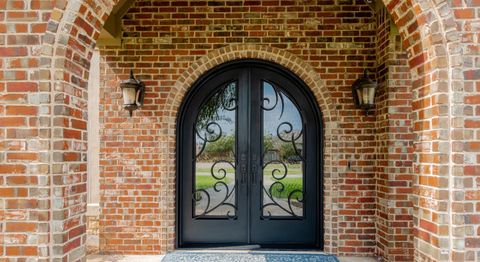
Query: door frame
x=310, y=97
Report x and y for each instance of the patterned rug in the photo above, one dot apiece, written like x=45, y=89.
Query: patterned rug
x=256, y=256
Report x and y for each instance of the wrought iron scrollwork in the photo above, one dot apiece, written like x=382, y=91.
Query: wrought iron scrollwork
x=266, y=105
x=278, y=187
x=292, y=139
x=208, y=129
x=219, y=175
x=293, y=195
x=285, y=133
x=209, y=135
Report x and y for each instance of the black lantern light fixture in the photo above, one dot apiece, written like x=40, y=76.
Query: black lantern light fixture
x=133, y=93
x=363, y=90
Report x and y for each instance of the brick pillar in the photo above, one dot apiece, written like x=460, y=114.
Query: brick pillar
x=465, y=134
x=45, y=47
x=72, y=50
x=394, y=168
x=24, y=133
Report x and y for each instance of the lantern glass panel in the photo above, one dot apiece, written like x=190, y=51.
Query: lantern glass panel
x=129, y=96
x=369, y=94
x=365, y=94
x=359, y=96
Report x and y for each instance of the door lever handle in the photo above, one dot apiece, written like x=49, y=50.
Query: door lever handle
x=243, y=168
x=254, y=167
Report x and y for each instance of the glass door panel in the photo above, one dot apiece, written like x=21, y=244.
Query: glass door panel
x=283, y=161
x=215, y=146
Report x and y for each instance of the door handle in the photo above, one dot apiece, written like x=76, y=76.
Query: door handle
x=243, y=168
x=254, y=167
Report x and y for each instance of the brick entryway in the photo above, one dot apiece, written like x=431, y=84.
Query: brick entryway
x=399, y=183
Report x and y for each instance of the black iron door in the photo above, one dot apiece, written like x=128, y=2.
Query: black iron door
x=249, y=161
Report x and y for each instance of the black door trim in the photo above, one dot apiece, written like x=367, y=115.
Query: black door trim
x=319, y=124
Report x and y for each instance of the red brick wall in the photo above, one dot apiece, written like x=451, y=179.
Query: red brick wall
x=162, y=39
x=394, y=166
x=24, y=132
x=441, y=40
x=465, y=144
x=444, y=76
x=69, y=41
x=43, y=75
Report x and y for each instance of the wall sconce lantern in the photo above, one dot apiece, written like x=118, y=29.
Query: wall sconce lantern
x=133, y=93
x=363, y=90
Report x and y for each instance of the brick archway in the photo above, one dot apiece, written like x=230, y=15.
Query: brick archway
x=245, y=51
x=432, y=41
x=68, y=33
x=297, y=66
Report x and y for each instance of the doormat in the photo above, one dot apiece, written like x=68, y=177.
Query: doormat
x=256, y=256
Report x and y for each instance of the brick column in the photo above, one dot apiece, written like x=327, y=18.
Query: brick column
x=24, y=133
x=465, y=135
x=45, y=48
x=394, y=168
x=71, y=48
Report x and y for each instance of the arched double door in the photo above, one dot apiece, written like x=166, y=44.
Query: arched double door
x=249, y=159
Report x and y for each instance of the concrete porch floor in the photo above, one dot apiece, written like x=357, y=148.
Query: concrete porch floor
x=158, y=258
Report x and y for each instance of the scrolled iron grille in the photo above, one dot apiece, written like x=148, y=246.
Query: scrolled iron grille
x=208, y=130
x=286, y=134
x=199, y=194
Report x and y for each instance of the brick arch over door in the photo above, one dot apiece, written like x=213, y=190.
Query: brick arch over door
x=297, y=66
x=428, y=31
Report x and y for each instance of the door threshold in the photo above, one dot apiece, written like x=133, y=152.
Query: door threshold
x=247, y=249
x=220, y=248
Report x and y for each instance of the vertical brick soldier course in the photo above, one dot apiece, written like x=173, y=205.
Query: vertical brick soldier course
x=45, y=48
